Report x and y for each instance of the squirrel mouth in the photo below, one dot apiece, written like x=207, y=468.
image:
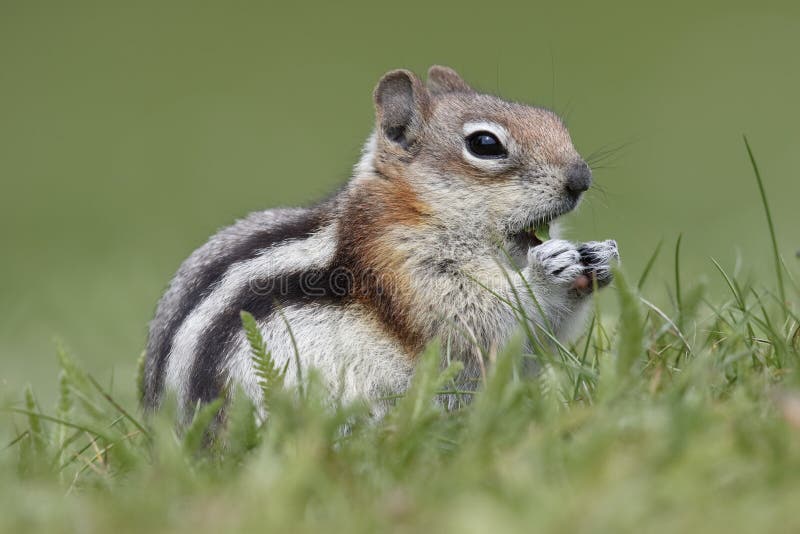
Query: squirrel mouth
x=532, y=236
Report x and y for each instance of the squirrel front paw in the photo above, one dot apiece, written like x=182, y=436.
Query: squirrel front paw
x=575, y=267
x=556, y=262
x=597, y=258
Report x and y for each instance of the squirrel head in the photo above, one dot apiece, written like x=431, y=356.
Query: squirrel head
x=512, y=165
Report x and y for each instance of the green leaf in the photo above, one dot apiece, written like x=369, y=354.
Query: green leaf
x=270, y=376
x=630, y=345
x=242, y=432
x=200, y=433
x=35, y=426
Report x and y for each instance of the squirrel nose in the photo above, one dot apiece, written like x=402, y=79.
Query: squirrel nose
x=579, y=177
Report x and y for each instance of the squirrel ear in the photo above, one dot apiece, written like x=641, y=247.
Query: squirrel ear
x=400, y=105
x=443, y=79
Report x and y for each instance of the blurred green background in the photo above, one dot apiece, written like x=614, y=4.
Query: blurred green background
x=129, y=132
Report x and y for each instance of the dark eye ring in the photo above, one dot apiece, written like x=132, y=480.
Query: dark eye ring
x=485, y=145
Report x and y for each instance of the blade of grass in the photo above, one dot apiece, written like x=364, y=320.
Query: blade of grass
x=775, y=252
x=669, y=322
x=61, y=422
x=630, y=344
x=649, y=266
x=296, y=350
x=119, y=408
x=584, y=355
x=678, y=277
x=17, y=439
x=731, y=286
x=737, y=294
x=200, y=432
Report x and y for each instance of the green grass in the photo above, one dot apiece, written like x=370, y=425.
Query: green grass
x=658, y=420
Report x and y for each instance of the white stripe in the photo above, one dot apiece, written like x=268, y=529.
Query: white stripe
x=299, y=254
x=345, y=345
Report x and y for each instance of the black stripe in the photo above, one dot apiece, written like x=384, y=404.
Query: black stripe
x=262, y=298
x=203, y=282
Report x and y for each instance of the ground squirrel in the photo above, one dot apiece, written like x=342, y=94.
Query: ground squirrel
x=431, y=239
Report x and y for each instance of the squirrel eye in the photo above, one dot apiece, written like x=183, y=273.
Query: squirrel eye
x=486, y=145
